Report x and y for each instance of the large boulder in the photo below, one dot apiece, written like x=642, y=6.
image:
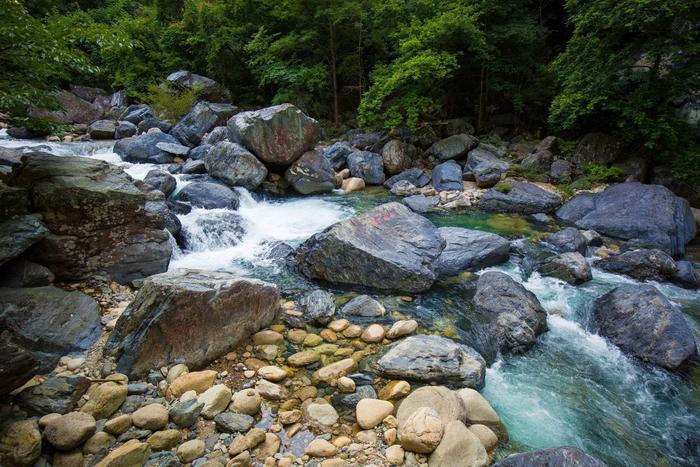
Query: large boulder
x=421, y=203
x=459, y=447
x=17, y=364
x=513, y=315
x=206, y=88
x=447, y=177
x=19, y=233
x=235, y=165
x=562, y=456
x=483, y=157
x=144, y=148
x=102, y=129
x=387, y=248
x=97, y=219
x=642, y=264
x=14, y=201
x=73, y=110
x=278, y=135
x=452, y=147
x=570, y=267
x=467, y=250
x=398, y=156
x=415, y=176
x=433, y=359
x=568, y=240
x=57, y=394
x=50, y=321
x=642, y=322
x=651, y=213
x=368, y=166
x=203, y=117
x=337, y=154
x=136, y=113
x=160, y=180
x=522, y=197
x=189, y=316
x=209, y=195
x=311, y=173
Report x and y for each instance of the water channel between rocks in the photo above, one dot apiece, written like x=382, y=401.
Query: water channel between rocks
x=572, y=388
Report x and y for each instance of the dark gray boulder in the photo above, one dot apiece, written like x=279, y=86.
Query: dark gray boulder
x=191, y=317
x=447, y=177
x=560, y=171
x=206, y=88
x=522, y=197
x=337, y=154
x=364, y=306
x=513, y=314
x=200, y=152
x=22, y=273
x=49, y=321
x=311, y=173
x=487, y=175
x=483, y=156
x=566, y=456
x=470, y=250
x=433, y=359
x=209, y=195
x=277, y=135
x=404, y=188
x=568, y=239
x=203, y=117
x=538, y=160
x=367, y=166
x=178, y=150
x=57, y=394
x=232, y=422
x=570, y=267
x=643, y=323
x=318, y=306
x=398, y=156
x=634, y=211
x=19, y=233
x=686, y=276
x=151, y=122
x=421, y=204
x=102, y=129
x=452, y=147
x=125, y=130
x=14, y=201
x=17, y=364
x=387, y=248
x=235, y=165
x=144, y=148
x=136, y=113
x=417, y=177
x=642, y=264
x=160, y=180
x=373, y=141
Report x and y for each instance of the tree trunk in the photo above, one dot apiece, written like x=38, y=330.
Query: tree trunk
x=482, y=103
x=334, y=77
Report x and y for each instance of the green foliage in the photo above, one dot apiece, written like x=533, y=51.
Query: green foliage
x=169, y=105
x=598, y=173
x=528, y=173
x=503, y=187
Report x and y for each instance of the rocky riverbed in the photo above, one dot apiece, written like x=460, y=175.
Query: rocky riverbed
x=194, y=321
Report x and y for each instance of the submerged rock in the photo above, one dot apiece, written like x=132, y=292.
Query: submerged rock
x=278, y=134
x=522, y=197
x=388, y=248
x=319, y=307
x=651, y=213
x=642, y=322
x=364, y=306
x=433, y=359
x=467, y=249
x=561, y=456
x=192, y=317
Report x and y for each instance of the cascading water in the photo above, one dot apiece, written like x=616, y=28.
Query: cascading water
x=572, y=388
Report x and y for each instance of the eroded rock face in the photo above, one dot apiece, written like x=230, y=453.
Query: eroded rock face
x=190, y=316
x=523, y=197
x=642, y=322
x=567, y=455
x=429, y=358
x=514, y=315
x=470, y=250
x=651, y=213
x=388, y=248
x=203, y=117
x=97, y=217
x=278, y=134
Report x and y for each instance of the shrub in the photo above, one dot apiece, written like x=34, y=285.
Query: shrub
x=167, y=104
x=503, y=187
x=598, y=173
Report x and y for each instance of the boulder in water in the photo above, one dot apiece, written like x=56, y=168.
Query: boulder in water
x=277, y=135
x=562, y=456
x=398, y=156
x=651, y=213
x=235, y=165
x=125, y=130
x=421, y=203
x=452, y=147
x=209, y=195
x=144, y=148
x=568, y=240
x=642, y=264
x=448, y=177
x=570, y=267
x=642, y=322
x=368, y=166
x=433, y=359
x=364, y=306
x=337, y=154
x=203, y=117
x=206, y=88
x=469, y=250
x=387, y=248
x=311, y=173
x=189, y=316
x=161, y=180
x=417, y=177
x=522, y=197
x=514, y=315
x=102, y=129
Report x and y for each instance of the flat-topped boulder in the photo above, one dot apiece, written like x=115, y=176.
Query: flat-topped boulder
x=203, y=117
x=433, y=359
x=144, y=148
x=521, y=197
x=651, y=213
x=191, y=317
x=468, y=250
x=452, y=147
x=99, y=219
x=643, y=323
x=387, y=248
x=277, y=135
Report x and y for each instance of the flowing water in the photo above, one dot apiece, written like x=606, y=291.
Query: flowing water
x=572, y=388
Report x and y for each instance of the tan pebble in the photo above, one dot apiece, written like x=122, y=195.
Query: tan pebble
x=328, y=335
x=342, y=441
x=390, y=436
x=278, y=328
x=394, y=454
x=352, y=331
x=338, y=325
x=373, y=334
x=395, y=389
x=296, y=336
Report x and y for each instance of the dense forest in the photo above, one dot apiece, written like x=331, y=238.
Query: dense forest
x=566, y=67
